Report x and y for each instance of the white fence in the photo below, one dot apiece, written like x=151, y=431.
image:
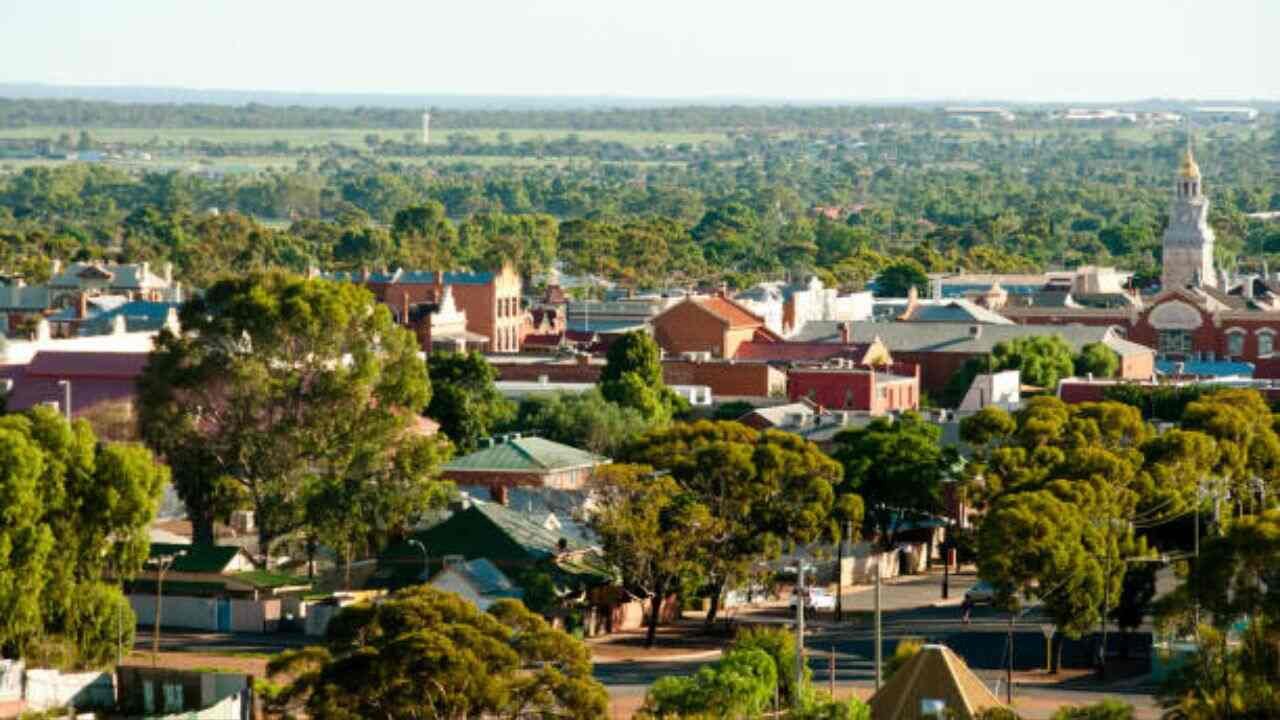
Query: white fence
x=84, y=691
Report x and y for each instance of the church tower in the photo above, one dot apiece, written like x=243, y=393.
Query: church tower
x=1187, y=258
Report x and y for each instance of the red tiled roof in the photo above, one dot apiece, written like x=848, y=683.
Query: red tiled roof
x=729, y=311
x=63, y=364
x=544, y=340
x=797, y=351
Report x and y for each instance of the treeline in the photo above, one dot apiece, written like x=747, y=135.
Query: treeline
x=790, y=205
x=15, y=113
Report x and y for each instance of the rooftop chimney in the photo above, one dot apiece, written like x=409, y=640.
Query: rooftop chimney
x=499, y=494
x=845, y=332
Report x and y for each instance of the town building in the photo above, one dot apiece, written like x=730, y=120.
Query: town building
x=477, y=581
x=491, y=301
x=515, y=460
x=842, y=386
x=1187, y=247
x=82, y=290
x=940, y=349
x=708, y=326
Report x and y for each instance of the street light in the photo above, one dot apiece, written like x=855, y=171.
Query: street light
x=163, y=563
x=426, y=566
x=66, y=397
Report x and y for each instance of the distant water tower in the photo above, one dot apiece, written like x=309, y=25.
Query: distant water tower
x=426, y=128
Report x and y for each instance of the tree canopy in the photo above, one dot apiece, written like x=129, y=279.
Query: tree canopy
x=431, y=654
x=75, y=520
x=465, y=401
x=279, y=389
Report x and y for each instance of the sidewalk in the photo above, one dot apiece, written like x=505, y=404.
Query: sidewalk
x=681, y=642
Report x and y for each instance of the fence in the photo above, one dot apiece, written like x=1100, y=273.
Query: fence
x=84, y=691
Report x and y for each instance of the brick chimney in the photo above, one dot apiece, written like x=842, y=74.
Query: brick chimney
x=845, y=332
x=499, y=494
x=438, y=278
x=82, y=306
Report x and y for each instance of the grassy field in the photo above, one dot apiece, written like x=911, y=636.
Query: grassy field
x=305, y=137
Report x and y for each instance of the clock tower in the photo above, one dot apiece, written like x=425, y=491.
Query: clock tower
x=1187, y=257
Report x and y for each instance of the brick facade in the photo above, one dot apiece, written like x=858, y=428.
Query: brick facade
x=860, y=389
x=726, y=379
x=490, y=300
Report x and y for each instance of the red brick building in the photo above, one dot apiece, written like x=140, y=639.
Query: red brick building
x=867, y=390
x=1188, y=325
x=726, y=379
x=711, y=324
x=491, y=300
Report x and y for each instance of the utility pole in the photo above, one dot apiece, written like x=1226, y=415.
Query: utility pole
x=66, y=398
x=1008, y=675
x=800, y=599
x=879, y=630
x=163, y=563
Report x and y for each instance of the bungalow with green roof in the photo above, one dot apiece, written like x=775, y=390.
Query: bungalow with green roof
x=515, y=460
x=209, y=587
x=524, y=551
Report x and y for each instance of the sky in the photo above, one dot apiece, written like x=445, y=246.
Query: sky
x=837, y=50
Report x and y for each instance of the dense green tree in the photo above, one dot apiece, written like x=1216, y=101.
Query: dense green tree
x=426, y=653
x=278, y=385
x=632, y=378
x=764, y=489
x=1098, y=360
x=652, y=532
x=1109, y=709
x=1042, y=360
x=585, y=420
x=898, y=467
x=738, y=685
x=76, y=514
x=898, y=278
x=465, y=401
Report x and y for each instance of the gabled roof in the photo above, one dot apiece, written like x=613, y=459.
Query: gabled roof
x=953, y=311
x=935, y=673
x=485, y=578
x=729, y=311
x=212, y=559
x=525, y=454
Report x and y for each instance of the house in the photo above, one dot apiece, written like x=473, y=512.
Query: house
x=509, y=539
x=941, y=349
x=1001, y=389
x=478, y=581
x=440, y=324
x=209, y=587
x=512, y=460
x=87, y=378
x=83, y=290
x=935, y=683
x=710, y=326
x=719, y=378
x=517, y=545
x=491, y=300
x=844, y=386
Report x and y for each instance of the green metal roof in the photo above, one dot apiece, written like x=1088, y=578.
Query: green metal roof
x=505, y=537
x=525, y=454
x=196, y=558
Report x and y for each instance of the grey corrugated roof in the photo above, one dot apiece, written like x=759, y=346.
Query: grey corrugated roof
x=956, y=311
x=961, y=338
x=487, y=579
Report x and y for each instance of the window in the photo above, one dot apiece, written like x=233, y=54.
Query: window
x=1235, y=344
x=1175, y=342
x=1266, y=343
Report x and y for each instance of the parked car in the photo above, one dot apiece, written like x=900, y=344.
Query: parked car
x=816, y=599
x=981, y=592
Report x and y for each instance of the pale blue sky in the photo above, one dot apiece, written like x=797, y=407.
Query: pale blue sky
x=800, y=49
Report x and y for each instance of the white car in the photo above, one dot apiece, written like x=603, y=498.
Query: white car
x=981, y=592
x=817, y=599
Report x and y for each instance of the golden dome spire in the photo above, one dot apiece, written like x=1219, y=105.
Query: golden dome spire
x=1189, y=169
